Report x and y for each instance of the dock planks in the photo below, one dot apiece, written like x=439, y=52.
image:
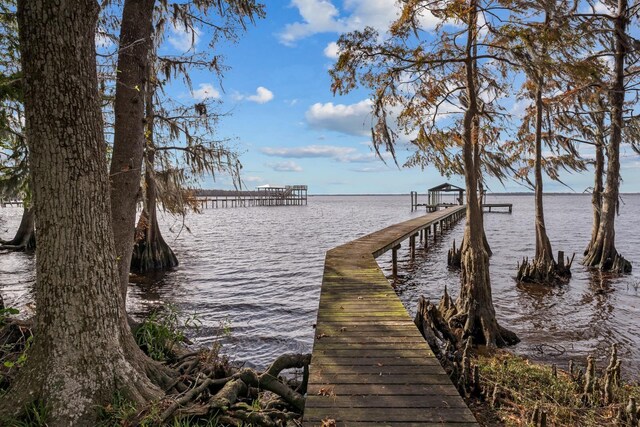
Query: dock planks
x=370, y=365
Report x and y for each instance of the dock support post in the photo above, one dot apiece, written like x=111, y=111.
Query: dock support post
x=394, y=261
x=412, y=246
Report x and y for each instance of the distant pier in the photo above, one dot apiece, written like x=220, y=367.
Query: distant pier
x=265, y=195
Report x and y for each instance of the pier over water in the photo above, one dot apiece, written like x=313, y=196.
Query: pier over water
x=370, y=363
x=264, y=195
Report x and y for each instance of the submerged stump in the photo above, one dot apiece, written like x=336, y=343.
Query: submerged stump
x=545, y=271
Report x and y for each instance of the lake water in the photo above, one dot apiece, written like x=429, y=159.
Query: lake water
x=257, y=271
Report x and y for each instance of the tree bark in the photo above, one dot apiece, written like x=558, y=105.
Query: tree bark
x=129, y=140
x=475, y=305
x=150, y=253
x=25, y=238
x=544, y=253
x=79, y=356
x=603, y=254
x=543, y=268
x=596, y=196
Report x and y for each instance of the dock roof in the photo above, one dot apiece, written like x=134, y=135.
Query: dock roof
x=447, y=187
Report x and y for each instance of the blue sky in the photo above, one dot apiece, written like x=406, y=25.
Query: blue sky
x=288, y=126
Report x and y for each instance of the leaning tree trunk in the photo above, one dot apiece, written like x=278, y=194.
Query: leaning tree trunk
x=475, y=312
x=25, y=238
x=128, y=142
x=543, y=268
x=77, y=361
x=150, y=252
x=602, y=253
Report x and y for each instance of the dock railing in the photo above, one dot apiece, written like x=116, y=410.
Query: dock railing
x=370, y=363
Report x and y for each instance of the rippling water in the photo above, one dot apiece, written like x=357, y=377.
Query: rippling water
x=258, y=271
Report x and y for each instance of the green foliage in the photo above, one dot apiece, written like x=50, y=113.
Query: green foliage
x=193, y=422
x=119, y=412
x=162, y=331
x=22, y=357
x=5, y=313
x=525, y=385
x=122, y=412
x=34, y=415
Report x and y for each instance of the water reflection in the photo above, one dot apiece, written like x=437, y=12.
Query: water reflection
x=260, y=270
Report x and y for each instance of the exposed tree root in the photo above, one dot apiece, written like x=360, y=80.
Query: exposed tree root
x=227, y=396
x=197, y=384
x=611, y=261
x=545, y=271
x=474, y=312
x=454, y=256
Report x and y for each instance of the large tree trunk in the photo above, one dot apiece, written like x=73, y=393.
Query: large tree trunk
x=77, y=361
x=544, y=253
x=596, y=196
x=129, y=139
x=150, y=253
x=543, y=268
x=602, y=253
x=25, y=238
x=475, y=311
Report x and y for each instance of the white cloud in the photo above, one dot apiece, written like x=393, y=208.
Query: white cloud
x=322, y=16
x=288, y=166
x=183, y=39
x=340, y=154
x=318, y=16
x=262, y=96
x=205, y=91
x=309, y=151
x=331, y=51
x=353, y=119
x=371, y=169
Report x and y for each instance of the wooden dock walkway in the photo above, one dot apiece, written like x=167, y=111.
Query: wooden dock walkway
x=370, y=363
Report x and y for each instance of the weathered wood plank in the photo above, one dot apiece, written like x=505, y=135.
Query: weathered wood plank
x=387, y=424
x=383, y=389
x=324, y=360
x=375, y=378
x=376, y=369
x=442, y=415
x=385, y=402
x=370, y=365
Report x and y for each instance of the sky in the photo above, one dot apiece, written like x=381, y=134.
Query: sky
x=288, y=126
